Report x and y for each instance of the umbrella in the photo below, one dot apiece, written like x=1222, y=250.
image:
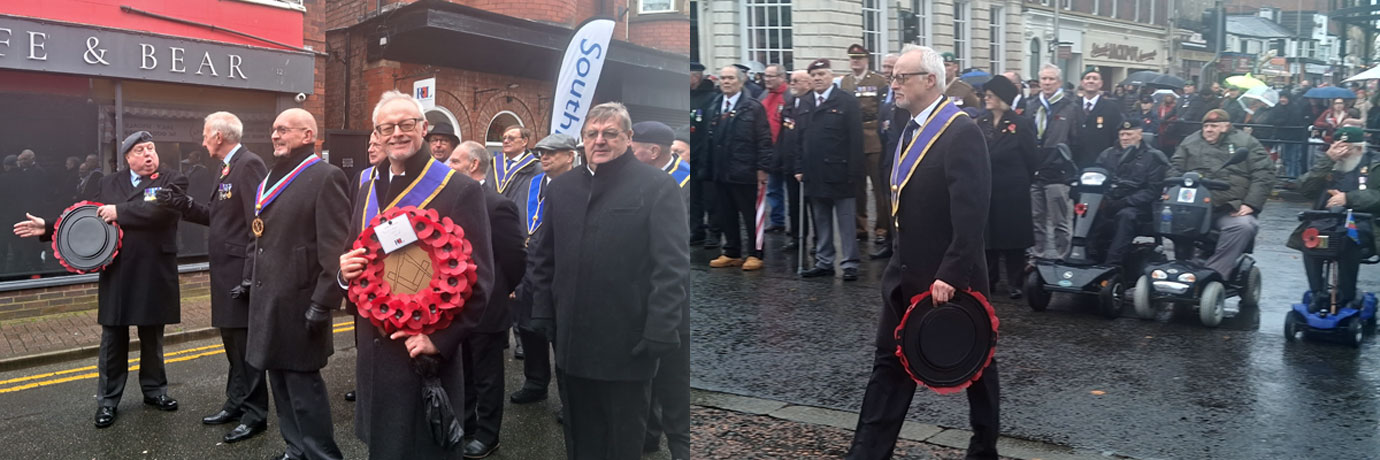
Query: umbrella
x=1166, y=81
x=1263, y=94
x=1244, y=81
x=1140, y=78
x=1159, y=94
x=1372, y=74
x=981, y=78
x=1329, y=92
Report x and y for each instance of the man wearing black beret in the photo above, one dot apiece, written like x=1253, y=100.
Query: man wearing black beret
x=140, y=287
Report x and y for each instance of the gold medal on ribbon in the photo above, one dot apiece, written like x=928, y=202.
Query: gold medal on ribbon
x=257, y=227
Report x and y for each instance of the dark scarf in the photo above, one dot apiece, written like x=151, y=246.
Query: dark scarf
x=283, y=165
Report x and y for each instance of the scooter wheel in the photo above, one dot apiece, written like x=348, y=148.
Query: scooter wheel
x=1035, y=293
x=1145, y=309
x=1294, y=326
x=1211, y=308
x=1250, y=291
x=1354, y=332
x=1110, y=299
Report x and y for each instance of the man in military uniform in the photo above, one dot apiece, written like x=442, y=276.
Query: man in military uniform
x=830, y=165
x=1235, y=210
x=1101, y=117
x=959, y=91
x=868, y=88
x=1136, y=174
x=1345, y=177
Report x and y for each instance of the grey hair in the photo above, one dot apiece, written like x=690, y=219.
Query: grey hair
x=931, y=62
x=476, y=151
x=737, y=72
x=890, y=55
x=393, y=95
x=909, y=47
x=612, y=110
x=1058, y=73
x=227, y=124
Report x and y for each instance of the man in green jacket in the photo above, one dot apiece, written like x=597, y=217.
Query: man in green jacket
x=1234, y=214
x=1343, y=179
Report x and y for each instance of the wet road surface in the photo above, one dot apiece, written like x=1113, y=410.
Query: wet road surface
x=1168, y=388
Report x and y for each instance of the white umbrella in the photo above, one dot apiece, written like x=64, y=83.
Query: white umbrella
x=1264, y=94
x=1370, y=74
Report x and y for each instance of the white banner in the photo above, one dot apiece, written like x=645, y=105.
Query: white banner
x=584, y=61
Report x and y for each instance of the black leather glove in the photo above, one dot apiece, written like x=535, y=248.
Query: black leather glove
x=546, y=327
x=318, y=318
x=654, y=349
x=173, y=198
x=241, y=291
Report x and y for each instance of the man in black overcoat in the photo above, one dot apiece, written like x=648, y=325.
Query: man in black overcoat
x=389, y=411
x=831, y=163
x=1100, y=122
x=483, y=349
x=941, y=217
x=704, y=226
x=740, y=151
x=298, y=235
x=612, y=289
x=227, y=212
x=140, y=287
x=788, y=152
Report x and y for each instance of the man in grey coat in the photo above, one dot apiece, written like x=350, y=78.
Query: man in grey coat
x=1056, y=117
x=612, y=289
x=300, y=224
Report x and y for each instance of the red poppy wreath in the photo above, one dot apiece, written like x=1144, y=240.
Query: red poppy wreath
x=83, y=242
x=421, y=287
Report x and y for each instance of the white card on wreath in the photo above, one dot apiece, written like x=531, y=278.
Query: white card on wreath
x=395, y=233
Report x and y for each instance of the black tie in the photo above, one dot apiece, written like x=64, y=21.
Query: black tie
x=908, y=134
x=142, y=180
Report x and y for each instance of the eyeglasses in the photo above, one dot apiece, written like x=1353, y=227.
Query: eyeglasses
x=591, y=135
x=512, y=138
x=283, y=130
x=901, y=77
x=406, y=126
x=767, y=75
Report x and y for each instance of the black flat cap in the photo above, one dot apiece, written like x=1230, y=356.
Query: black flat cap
x=653, y=132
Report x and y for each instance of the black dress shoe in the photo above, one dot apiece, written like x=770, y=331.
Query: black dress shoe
x=162, y=402
x=220, y=418
x=1015, y=293
x=519, y=353
x=650, y=445
x=105, y=416
x=350, y=395
x=527, y=396
x=243, y=432
x=850, y=274
x=478, y=449
x=817, y=272
x=883, y=253
x=880, y=239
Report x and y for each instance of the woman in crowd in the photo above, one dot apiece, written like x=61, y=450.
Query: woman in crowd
x=1011, y=147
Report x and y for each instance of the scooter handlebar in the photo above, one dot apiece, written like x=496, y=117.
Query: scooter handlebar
x=1209, y=183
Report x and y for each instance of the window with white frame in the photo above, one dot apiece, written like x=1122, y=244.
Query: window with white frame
x=656, y=6
x=997, y=37
x=963, y=33
x=924, y=10
x=767, y=26
x=874, y=30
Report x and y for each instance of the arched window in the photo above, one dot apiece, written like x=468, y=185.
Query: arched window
x=440, y=114
x=493, y=139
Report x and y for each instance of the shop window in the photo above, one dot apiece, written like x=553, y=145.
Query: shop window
x=963, y=33
x=656, y=6
x=768, y=31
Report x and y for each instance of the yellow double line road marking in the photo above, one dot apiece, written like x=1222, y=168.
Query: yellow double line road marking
x=90, y=372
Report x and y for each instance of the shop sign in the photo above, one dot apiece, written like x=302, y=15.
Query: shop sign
x=1118, y=52
x=425, y=92
x=47, y=46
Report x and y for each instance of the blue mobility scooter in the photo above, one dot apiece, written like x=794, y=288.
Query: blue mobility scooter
x=1184, y=217
x=1329, y=234
x=1082, y=272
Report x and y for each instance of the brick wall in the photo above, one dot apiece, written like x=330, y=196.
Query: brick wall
x=553, y=11
x=78, y=297
x=665, y=32
x=314, y=37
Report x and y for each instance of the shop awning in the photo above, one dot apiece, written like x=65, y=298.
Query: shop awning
x=1256, y=27
x=442, y=33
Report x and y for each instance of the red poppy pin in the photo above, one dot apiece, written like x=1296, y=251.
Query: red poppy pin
x=154, y=176
x=1011, y=128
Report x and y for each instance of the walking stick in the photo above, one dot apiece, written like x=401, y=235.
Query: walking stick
x=800, y=238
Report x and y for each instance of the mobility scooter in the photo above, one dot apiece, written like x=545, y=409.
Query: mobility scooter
x=1332, y=235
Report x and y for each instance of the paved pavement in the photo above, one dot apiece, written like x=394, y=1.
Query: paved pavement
x=58, y=336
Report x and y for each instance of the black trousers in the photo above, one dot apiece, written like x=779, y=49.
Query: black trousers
x=1015, y=267
x=483, y=361
x=793, y=193
x=114, y=363
x=738, y=201
x=702, y=215
x=1117, y=233
x=304, y=414
x=1346, y=267
x=536, y=364
x=604, y=420
x=246, y=388
x=670, y=408
x=889, y=394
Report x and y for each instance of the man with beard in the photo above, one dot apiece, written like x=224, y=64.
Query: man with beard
x=140, y=287
x=941, y=187
x=612, y=289
x=299, y=225
x=483, y=348
x=390, y=416
x=227, y=213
